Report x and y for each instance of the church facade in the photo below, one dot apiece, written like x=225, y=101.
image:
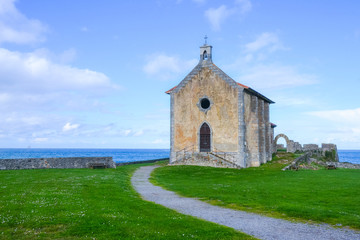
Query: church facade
x=216, y=121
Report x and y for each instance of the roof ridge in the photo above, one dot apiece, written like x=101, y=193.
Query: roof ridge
x=216, y=70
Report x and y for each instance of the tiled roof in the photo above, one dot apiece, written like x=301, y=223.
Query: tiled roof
x=244, y=86
x=169, y=91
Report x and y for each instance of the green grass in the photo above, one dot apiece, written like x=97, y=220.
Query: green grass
x=330, y=196
x=90, y=204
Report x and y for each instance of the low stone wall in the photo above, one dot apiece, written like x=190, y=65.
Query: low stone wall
x=43, y=163
x=302, y=159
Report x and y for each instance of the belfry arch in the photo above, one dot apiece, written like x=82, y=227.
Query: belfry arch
x=281, y=135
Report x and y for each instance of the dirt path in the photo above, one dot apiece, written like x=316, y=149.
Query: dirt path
x=253, y=224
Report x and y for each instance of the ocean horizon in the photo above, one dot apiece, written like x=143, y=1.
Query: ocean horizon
x=121, y=155
x=118, y=154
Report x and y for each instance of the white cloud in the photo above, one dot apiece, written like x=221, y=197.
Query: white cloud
x=245, y=5
x=345, y=117
x=68, y=126
x=275, y=76
x=217, y=16
x=68, y=55
x=293, y=101
x=16, y=28
x=127, y=132
x=37, y=140
x=259, y=73
x=39, y=90
x=165, y=67
x=266, y=39
x=265, y=44
x=31, y=72
x=159, y=141
x=343, y=126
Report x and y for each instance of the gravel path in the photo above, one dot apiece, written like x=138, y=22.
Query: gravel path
x=256, y=225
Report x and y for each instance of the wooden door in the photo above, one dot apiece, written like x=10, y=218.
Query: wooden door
x=205, y=138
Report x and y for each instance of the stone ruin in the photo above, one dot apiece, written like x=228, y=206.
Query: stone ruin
x=292, y=146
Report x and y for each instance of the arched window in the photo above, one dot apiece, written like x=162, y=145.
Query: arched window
x=205, y=138
x=205, y=56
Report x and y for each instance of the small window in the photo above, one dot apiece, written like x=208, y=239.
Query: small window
x=205, y=56
x=205, y=103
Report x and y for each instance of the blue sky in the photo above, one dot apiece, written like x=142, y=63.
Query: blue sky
x=92, y=74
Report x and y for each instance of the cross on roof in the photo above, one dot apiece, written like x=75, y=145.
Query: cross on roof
x=205, y=39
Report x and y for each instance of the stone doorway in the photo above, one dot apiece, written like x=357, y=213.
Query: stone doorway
x=286, y=140
x=205, y=138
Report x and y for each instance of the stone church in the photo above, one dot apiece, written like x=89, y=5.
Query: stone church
x=216, y=121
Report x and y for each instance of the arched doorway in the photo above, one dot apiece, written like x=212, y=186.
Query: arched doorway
x=205, y=138
x=286, y=140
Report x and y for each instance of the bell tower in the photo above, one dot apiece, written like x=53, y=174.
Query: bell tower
x=206, y=52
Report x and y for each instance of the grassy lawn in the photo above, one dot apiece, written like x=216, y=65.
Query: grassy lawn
x=331, y=196
x=90, y=204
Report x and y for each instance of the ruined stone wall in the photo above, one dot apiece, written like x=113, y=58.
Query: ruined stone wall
x=292, y=146
x=43, y=163
x=252, y=130
x=310, y=147
x=222, y=117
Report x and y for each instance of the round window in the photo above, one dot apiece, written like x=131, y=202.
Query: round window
x=205, y=103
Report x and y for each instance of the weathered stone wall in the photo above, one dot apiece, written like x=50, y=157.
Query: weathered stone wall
x=329, y=147
x=242, y=151
x=252, y=130
x=273, y=143
x=310, y=147
x=222, y=117
x=43, y=163
x=297, y=146
x=294, y=146
x=207, y=159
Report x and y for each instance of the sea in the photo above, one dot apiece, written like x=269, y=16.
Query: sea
x=121, y=155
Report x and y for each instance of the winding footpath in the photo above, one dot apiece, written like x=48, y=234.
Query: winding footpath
x=252, y=224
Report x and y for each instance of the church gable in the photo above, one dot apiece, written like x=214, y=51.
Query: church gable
x=206, y=98
x=201, y=66
x=205, y=63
